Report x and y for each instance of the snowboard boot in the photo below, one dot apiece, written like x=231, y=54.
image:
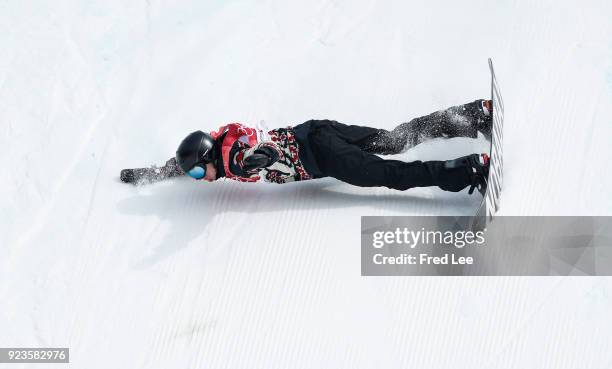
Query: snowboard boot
x=457, y=174
x=480, y=113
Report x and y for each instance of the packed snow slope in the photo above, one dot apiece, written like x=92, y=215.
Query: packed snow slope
x=234, y=275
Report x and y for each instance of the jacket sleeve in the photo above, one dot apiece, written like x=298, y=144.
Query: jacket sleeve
x=233, y=138
x=248, y=161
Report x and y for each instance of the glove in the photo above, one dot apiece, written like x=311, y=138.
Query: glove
x=260, y=156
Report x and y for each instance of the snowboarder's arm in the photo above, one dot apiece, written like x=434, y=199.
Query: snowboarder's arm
x=247, y=161
x=261, y=156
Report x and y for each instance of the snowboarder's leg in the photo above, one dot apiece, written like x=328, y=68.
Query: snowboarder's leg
x=458, y=121
x=349, y=163
x=361, y=136
x=372, y=140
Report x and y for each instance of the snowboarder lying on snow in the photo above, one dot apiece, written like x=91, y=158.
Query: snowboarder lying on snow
x=325, y=148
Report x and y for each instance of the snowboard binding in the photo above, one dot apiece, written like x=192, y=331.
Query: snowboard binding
x=467, y=171
x=480, y=172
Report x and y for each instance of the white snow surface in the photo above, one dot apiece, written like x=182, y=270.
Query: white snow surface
x=235, y=275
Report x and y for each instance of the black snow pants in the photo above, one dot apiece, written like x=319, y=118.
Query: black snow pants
x=348, y=152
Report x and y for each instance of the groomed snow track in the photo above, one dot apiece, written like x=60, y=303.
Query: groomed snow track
x=233, y=275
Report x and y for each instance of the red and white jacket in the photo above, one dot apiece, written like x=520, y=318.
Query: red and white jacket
x=240, y=141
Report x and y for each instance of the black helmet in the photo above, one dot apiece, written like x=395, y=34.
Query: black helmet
x=197, y=148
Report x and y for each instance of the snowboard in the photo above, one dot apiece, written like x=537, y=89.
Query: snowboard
x=141, y=176
x=491, y=200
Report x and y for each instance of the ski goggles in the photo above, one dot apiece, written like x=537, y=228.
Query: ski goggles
x=197, y=172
